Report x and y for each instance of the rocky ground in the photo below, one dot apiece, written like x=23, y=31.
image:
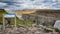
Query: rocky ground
x=26, y=30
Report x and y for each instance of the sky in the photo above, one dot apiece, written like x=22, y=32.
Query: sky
x=29, y=4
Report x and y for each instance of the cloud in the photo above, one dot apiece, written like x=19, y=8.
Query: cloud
x=2, y=4
x=29, y=4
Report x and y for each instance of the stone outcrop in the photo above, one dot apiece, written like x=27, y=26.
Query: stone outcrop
x=34, y=29
x=40, y=19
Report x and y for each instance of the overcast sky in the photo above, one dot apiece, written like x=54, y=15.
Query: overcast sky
x=29, y=4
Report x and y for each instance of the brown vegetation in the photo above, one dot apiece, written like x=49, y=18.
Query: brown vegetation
x=19, y=12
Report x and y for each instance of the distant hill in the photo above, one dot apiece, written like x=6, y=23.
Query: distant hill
x=50, y=13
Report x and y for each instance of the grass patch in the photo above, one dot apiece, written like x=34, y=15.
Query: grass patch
x=25, y=23
x=20, y=22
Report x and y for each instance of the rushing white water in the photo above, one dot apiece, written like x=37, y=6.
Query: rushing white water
x=57, y=24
